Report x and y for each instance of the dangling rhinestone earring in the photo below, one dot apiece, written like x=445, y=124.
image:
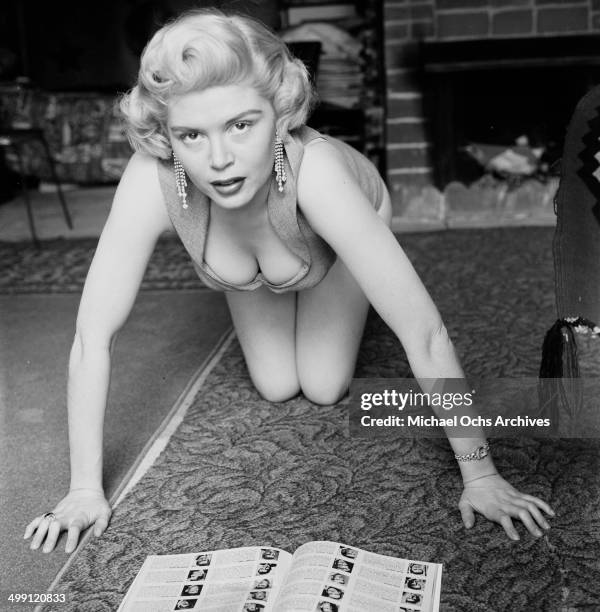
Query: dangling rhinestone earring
x=280, y=175
x=181, y=181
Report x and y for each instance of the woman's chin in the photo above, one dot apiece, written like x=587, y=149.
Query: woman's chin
x=245, y=197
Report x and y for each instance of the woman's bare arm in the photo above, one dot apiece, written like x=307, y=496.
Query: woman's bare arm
x=137, y=218
x=337, y=210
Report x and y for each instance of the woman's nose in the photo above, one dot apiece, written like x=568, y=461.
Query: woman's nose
x=220, y=155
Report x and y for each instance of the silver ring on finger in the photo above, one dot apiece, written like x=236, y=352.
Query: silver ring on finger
x=49, y=516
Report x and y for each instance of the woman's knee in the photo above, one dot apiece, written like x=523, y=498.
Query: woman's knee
x=276, y=388
x=324, y=389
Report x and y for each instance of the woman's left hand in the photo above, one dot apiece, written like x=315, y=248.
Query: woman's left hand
x=499, y=501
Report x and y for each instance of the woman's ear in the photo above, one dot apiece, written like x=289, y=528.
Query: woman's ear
x=281, y=128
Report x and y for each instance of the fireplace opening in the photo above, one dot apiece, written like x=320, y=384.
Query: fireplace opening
x=504, y=100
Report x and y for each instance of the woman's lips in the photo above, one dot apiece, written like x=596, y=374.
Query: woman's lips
x=228, y=187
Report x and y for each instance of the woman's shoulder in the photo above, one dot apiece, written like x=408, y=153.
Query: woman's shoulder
x=329, y=161
x=143, y=164
x=141, y=168
x=324, y=153
x=321, y=162
x=322, y=173
x=145, y=174
x=139, y=191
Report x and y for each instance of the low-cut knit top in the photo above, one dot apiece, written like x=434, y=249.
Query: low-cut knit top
x=288, y=222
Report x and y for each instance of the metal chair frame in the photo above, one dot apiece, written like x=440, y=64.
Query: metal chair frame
x=13, y=138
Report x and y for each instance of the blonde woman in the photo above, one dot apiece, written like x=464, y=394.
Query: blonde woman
x=292, y=225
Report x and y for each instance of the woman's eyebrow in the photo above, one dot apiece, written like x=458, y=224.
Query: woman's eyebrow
x=250, y=111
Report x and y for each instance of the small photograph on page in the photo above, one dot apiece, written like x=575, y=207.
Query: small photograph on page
x=265, y=568
x=343, y=565
x=417, y=568
x=332, y=592
x=260, y=595
x=253, y=607
x=269, y=554
x=338, y=578
x=203, y=559
x=195, y=575
x=191, y=589
x=415, y=584
x=411, y=598
x=263, y=583
x=349, y=553
x=185, y=604
x=327, y=606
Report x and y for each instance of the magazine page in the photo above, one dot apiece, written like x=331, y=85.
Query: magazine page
x=240, y=579
x=335, y=577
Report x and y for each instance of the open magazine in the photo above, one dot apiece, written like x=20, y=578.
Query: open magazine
x=318, y=577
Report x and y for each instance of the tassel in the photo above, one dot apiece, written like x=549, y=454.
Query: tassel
x=555, y=363
x=559, y=387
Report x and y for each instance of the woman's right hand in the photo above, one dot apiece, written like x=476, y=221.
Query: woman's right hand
x=80, y=509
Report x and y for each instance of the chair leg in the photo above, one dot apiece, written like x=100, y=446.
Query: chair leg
x=61, y=196
x=26, y=196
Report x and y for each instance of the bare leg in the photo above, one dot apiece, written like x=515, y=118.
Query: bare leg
x=329, y=326
x=330, y=323
x=265, y=324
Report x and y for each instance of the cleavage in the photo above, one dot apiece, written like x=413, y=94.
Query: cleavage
x=238, y=252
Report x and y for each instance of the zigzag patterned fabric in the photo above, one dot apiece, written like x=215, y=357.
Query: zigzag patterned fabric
x=577, y=239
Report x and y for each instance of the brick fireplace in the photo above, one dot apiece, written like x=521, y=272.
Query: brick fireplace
x=410, y=25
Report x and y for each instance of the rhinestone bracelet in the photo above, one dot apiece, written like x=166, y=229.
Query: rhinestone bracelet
x=479, y=453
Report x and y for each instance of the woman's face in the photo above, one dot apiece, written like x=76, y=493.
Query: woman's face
x=224, y=137
x=333, y=593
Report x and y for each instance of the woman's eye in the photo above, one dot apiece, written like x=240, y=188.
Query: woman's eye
x=190, y=136
x=241, y=126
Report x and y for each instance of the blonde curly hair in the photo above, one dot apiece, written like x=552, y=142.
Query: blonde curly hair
x=206, y=48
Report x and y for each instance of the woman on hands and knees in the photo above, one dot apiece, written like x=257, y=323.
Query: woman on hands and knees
x=291, y=224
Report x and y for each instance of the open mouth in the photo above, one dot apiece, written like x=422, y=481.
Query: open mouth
x=228, y=186
x=227, y=182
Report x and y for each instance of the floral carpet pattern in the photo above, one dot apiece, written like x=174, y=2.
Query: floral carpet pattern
x=60, y=266
x=240, y=471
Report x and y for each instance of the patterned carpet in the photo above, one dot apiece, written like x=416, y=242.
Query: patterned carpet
x=60, y=266
x=240, y=471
